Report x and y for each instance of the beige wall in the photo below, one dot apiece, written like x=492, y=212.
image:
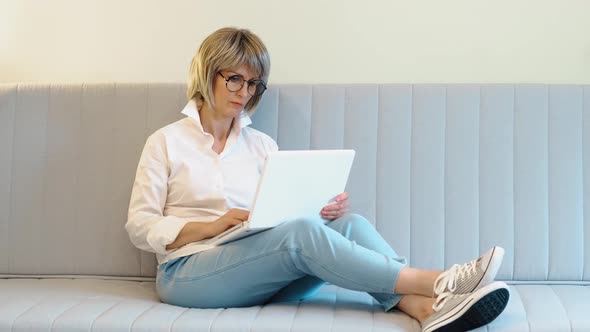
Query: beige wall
x=310, y=41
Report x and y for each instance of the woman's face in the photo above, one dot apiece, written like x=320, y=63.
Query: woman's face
x=227, y=103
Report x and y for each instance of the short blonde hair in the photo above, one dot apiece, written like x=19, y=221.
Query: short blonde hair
x=226, y=48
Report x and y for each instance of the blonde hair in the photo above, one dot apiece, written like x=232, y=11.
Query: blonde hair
x=226, y=48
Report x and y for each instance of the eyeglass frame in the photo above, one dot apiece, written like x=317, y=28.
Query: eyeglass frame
x=250, y=82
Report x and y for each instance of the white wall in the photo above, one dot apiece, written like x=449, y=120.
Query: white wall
x=310, y=41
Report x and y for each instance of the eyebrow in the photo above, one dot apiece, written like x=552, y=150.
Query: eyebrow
x=233, y=73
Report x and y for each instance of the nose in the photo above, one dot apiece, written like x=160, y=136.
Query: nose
x=243, y=92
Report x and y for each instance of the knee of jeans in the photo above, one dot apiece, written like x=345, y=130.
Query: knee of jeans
x=355, y=220
x=303, y=228
x=305, y=225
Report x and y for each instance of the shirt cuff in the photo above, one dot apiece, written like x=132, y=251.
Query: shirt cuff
x=165, y=232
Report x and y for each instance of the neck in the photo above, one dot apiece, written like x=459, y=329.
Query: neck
x=219, y=127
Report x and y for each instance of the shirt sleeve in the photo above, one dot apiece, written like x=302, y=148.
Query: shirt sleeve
x=269, y=144
x=146, y=225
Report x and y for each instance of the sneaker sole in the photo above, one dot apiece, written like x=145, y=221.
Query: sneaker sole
x=474, y=314
x=490, y=274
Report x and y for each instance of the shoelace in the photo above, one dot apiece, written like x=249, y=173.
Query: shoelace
x=448, y=279
x=441, y=300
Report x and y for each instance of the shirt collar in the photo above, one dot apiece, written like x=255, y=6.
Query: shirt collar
x=192, y=111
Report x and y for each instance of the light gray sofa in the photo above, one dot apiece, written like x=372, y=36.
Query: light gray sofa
x=444, y=172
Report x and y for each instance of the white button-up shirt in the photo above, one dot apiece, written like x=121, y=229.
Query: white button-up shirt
x=180, y=179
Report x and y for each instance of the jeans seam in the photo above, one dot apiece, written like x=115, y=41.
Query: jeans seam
x=376, y=290
x=297, y=250
x=165, y=276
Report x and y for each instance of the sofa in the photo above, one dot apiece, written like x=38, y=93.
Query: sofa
x=444, y=172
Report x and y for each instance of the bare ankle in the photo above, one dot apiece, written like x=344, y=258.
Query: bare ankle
x=417, y=306
x=413, y=281
x=425, y=309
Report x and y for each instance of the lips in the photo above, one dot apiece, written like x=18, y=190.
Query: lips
x=240, y=105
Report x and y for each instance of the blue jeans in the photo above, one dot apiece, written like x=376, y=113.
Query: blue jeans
x=287, y=263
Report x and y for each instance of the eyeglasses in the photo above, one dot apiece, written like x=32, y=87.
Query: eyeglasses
x=236, y=82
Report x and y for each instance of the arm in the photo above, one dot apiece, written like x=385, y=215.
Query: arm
x=191, y=232
x=196, y=231
x=147, y=227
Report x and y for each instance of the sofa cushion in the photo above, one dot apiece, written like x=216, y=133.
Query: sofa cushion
x=457, y=167
x=116, y=305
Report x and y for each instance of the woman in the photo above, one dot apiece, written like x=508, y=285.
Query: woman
x=196, y=178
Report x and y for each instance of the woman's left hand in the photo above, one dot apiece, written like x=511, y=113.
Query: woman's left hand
x=338, y=208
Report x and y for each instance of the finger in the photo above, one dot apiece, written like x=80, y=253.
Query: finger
x=236, y=221
x=340, y=212
x=342, y=197
x=331, y=207
x=245, y=215
x=337, y=214
x=330, y=214
x=240, y=214
x=329, y=217
x=339, y=206
x=231, y=223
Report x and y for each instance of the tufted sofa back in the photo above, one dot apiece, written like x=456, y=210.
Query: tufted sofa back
x=443, y=171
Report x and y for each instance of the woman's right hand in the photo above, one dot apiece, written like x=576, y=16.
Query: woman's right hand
x=228, y=220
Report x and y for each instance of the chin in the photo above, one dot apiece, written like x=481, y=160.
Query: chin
x=234, y=109
x=231, y=112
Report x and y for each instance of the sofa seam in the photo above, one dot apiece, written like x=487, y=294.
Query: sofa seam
x=548, y=196
x=143, y=313
x=311, y=122
x=215, y=318
x=584, y=228
x=24, y=312
x=526, y=315
x=333, y=311
x=478, y=168
x=514, y=96
x=78, y=191
x=278, y=112
x=44, y=172
x=411, y=169
x=378, y=159
x=102, y=313
x=254, y=319
x=176, y=319
x=10, y=207
x=445, y=179
x=62, y=313
x=569, y=321
x=145, y=134
x=295, y=315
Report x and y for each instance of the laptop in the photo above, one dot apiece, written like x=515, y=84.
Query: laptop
x=292, y=185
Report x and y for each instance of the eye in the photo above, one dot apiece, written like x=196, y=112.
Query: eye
x=235, y=79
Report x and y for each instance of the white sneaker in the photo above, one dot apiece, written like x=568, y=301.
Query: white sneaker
x=471, y=276
x=464, y=312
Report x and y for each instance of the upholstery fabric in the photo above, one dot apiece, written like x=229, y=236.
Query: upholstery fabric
x=443, y=171
x=30, y=305
x=96, y=305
